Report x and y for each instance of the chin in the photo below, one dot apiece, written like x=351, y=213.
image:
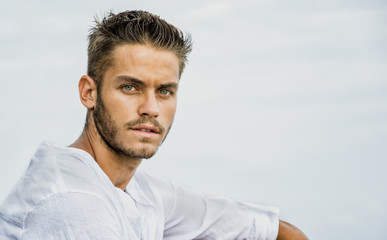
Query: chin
x=142, y=152
x=146, y=154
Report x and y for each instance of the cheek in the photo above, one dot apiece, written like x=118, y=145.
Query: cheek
x=169, y=111
x=122, y=110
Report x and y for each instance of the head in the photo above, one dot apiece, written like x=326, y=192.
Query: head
x=132, y=27
x=135, y=60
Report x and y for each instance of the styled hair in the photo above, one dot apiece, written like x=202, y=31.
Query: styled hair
x=132, y=27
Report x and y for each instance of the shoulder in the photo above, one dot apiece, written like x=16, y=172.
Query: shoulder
x=66, y=215
x=57, y=174
x=72, y=215
x=68, y=206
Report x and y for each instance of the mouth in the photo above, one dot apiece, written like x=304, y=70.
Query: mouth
x=148, y=130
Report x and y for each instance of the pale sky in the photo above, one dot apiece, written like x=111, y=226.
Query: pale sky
x=282, y=103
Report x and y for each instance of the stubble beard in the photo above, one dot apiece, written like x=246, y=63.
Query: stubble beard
x=108, y=131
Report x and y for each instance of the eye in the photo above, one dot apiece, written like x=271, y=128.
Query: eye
x=128, y=88
x=165, y=92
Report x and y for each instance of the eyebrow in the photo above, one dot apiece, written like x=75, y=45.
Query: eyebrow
x=169, y=85
x=128, y=79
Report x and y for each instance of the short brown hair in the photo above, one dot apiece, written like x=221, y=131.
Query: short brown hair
x=132, y=27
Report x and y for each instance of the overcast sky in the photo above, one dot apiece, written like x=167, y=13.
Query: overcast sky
x=282, y=102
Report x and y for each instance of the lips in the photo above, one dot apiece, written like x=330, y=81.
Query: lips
x=146, y=128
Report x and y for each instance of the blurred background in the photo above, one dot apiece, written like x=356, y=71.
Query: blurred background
x=282, y=103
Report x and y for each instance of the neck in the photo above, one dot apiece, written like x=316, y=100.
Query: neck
x=120, y=169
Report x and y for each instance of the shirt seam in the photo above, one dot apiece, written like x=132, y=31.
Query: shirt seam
x=11, y=220
x=22, y=225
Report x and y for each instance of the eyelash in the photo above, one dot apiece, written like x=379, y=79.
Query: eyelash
x=124, y=87
x=169, y=92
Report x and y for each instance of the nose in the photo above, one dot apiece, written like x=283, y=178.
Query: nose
x=149, y=106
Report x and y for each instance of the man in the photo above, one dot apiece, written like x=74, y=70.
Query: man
x=93, y=189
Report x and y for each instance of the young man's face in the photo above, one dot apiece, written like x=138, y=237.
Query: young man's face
x=137, y=102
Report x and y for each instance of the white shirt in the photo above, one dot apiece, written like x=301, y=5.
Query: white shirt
x=64, y=194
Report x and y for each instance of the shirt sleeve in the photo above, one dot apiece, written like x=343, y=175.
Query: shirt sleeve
x=191, y=215
x=70, y=216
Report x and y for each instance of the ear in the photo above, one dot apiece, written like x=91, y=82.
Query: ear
x=87, y=92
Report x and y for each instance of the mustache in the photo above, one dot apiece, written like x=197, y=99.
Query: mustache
x=146, y=119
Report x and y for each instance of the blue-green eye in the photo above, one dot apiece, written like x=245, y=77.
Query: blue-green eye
x=128, y=87
x=164, y=92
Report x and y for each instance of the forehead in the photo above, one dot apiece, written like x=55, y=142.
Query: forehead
x=144, y=62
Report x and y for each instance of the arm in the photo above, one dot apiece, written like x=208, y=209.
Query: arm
x=71, y=216
x=191, y=215
x=289, y=232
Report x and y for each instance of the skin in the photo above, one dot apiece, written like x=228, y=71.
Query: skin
x=289, y=232
x=141, y=85
x=138, y=93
